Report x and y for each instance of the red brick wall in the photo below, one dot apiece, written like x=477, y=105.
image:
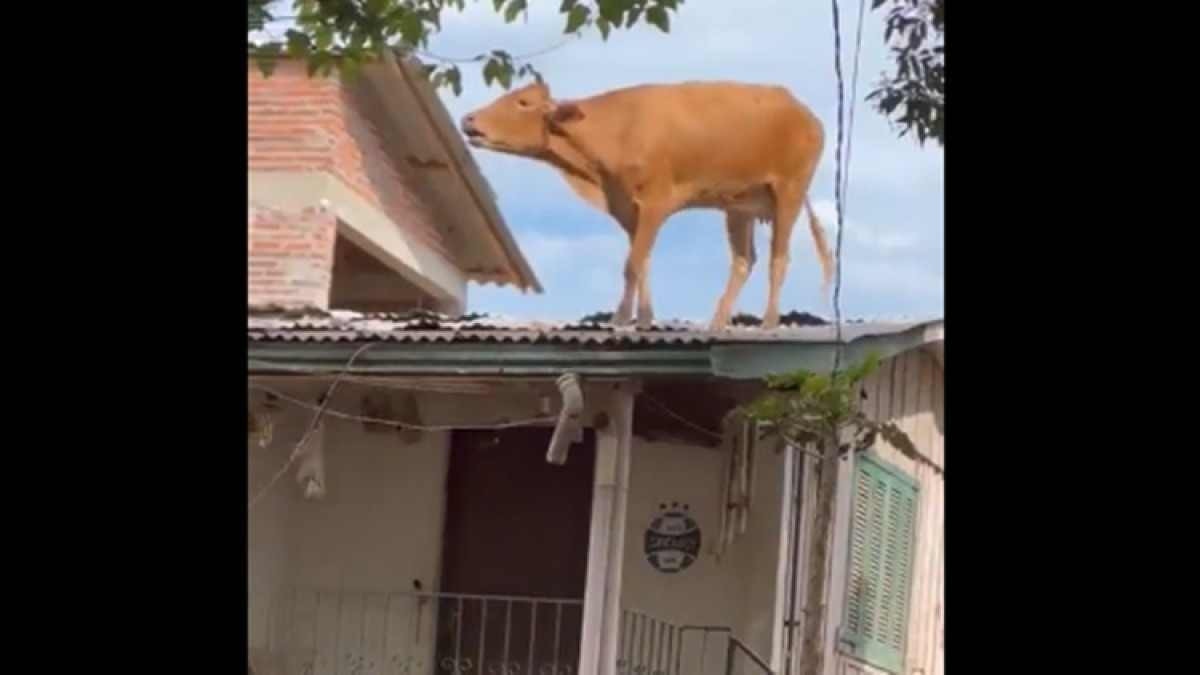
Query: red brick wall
x=297, y=123
x=290, y=257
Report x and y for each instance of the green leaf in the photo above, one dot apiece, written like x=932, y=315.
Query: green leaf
x=658, y=16
x=576, y=18
x=633, y=16
x=498, y=4
x=489, y=72
x=267, y=58
x=454, y=77
x=297, y=44
x=610, y=10
x=257, y=15
x=567, y=5
x=505, y=75
x=411, y=28
x=324, y=37
x=604, y=26
x=350, y=68
x=515, y=7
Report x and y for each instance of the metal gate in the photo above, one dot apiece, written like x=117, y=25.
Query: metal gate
x=313, y=632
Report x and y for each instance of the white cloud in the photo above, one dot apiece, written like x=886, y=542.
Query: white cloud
x=872, y=236
x=907, y=278
x=551, y=252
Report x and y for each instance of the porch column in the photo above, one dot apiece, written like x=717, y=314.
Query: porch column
x=786, y=559
x=606, y=545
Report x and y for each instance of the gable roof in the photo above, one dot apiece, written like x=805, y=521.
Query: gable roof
x=488, y=253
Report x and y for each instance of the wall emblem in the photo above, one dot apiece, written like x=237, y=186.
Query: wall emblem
x=673, y=539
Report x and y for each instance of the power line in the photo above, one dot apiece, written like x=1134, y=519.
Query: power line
x=853, y=98
x=680, y=418
x=837, y=184
x=404, y=425
x=312, y=426
x=456, y=59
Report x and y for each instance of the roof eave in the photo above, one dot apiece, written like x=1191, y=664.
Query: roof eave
x=736, y=361
x=756, y=360
x=464, y=168
x=475, y=360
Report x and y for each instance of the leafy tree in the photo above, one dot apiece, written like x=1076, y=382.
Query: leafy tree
x=914, y=96
x=343, y=34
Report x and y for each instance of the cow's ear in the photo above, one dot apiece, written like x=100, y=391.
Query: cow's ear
x=565, y=111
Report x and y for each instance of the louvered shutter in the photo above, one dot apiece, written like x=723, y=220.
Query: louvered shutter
x=875, y=625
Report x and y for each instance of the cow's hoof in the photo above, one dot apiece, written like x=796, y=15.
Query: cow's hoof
x=770, y=321
x=719, y=322
x=645, y=318
x=622, y=317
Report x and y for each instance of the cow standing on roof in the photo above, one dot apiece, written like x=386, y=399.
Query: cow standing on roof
x=644, y=153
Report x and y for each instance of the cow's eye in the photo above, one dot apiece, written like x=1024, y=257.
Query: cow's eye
x=523, y=103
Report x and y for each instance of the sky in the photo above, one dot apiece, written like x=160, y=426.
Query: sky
x=894, y=240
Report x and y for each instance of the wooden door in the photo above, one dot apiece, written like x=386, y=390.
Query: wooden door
x=516, y=527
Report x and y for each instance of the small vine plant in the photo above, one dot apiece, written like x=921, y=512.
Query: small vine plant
x=804, y=408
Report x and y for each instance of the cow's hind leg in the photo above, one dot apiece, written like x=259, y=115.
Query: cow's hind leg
x=789, y=199
x=740, y=227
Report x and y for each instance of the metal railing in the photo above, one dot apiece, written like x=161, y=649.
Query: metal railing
x=646, y=645
x=737, y=647
x=311, y=632
x=650, y=646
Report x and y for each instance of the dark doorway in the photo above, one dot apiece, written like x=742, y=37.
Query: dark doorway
x=516, y=531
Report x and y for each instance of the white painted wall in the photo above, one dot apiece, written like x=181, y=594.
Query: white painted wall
x=737, y=590
x=377, y=529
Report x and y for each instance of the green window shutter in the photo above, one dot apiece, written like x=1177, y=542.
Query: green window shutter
x=875, y=625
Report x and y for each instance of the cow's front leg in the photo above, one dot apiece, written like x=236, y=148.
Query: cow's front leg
x=645, y=313
x=624, y=314
x=649, y=221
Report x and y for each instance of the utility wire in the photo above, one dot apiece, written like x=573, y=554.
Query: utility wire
x=312, y=426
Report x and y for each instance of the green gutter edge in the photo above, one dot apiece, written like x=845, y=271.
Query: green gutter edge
x=747, y=360
x=757, y=360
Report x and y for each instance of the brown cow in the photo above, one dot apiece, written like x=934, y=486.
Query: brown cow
x=644, y=153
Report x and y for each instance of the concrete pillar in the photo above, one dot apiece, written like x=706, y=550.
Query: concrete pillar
x=606, y=545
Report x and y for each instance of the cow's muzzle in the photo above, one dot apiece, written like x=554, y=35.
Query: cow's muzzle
x=470, y=130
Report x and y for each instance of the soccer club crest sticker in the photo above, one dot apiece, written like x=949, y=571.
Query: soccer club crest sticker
x=673, y=539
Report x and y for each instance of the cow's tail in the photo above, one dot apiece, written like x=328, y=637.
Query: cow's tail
x=826, y=258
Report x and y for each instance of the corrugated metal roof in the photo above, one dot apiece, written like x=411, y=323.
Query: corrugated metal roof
x=427, y=327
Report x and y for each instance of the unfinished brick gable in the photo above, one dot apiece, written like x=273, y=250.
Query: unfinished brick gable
x=375, y=169
x=290, y=256
x=302, y=124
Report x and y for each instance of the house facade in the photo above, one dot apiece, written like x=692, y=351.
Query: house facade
x=430, y=494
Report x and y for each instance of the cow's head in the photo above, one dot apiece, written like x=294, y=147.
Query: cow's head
x=519, y=122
